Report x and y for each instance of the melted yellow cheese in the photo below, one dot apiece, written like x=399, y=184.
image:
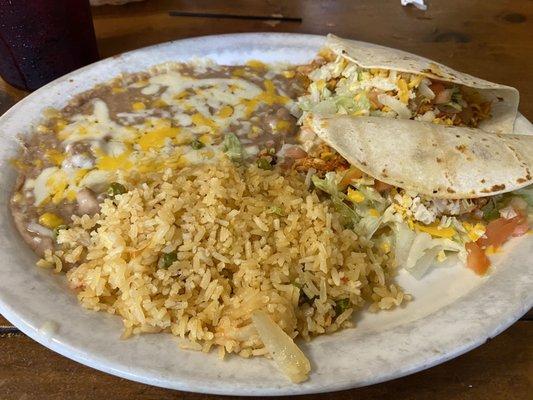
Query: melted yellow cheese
x=436, y=231
x=41, y=191
x=138, y=106
x=403, y=91
x=199, y=119
x=111, y=163
x=474, y=232
x=225, y=112
x=355, y=196
x=201, y=108
x=156, y=138
x=56, y=157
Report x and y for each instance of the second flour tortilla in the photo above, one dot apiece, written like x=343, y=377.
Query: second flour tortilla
x=366, y=55
x=434, y=160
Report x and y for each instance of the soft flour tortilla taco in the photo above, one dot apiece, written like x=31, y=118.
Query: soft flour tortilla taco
x=363, y=79
x=446, y=162
x=431, y=189
x=413, y=151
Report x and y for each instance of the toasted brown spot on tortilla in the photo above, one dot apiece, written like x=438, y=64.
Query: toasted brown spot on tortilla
x=521, y=180
x=461, y=148
x=497, y=188
x=439, y=159
x=483, y=180
x=450, y=190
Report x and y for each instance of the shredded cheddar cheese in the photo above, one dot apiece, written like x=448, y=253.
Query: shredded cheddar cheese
x=355, y=196
x=50, y=220
x=436, y=231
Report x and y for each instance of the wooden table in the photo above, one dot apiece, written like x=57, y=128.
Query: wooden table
x=490, y=39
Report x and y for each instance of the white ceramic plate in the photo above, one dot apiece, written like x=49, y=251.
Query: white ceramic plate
x=453, y=310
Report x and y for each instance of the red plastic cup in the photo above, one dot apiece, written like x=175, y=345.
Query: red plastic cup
x=41, y=40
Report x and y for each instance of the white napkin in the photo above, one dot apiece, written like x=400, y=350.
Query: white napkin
x=417, y=3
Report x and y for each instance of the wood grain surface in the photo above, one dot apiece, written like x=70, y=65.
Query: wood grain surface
x=490, y=39
x=493, y=371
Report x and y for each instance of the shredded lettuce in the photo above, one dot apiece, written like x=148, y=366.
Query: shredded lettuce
x=357, y=217
x=328, y=184
x=368, y=225
x=325, y=107
x=416, y=251
x=342, y=104
x=404, y=238
x=371, y=195
x=350, y=219
x=233, y=148
x=353, y=105
x=526, y=193
x=490, y=210
x=396, y=105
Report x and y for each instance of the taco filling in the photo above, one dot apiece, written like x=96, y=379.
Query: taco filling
x=339, y=86
x=418, y=229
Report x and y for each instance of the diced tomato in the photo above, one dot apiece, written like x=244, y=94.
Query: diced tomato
x=295, y=152
x=501, y=230
x=476, y=259
x=349, y=176
x=445, y=97
x=521, y=229
x=373, y=97
x=497, y=233
x=437, y=87
x=382, y=186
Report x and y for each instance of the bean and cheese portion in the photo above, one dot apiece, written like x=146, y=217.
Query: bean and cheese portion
x=171, y=117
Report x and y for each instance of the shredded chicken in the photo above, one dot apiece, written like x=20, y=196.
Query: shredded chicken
x=323, y=159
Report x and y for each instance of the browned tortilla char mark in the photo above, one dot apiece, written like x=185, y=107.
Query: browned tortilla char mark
x=494, y=188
